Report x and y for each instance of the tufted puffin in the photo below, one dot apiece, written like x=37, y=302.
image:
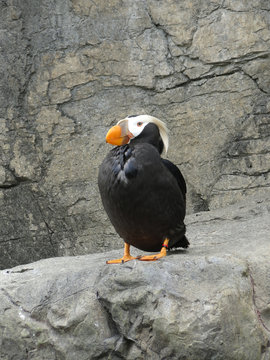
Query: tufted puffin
x=143, y=194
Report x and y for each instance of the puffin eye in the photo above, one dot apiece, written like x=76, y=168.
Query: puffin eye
x=139, y=123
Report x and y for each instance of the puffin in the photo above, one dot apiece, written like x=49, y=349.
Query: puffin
x=143, y=194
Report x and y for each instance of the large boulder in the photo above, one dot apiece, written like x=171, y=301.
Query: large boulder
x=209, y=302
x=71, y=68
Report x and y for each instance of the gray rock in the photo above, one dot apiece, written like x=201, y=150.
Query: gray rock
x=209, y=302
x=71, y=68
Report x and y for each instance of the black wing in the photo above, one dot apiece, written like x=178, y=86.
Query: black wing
x=177, y=174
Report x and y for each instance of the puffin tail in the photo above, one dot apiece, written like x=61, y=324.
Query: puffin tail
x=183, y=243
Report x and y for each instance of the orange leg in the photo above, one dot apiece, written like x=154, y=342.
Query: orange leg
x=163, y=252
x=125, y=258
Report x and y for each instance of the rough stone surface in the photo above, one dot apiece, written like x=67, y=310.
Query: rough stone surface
x=70, y=68
x=209, y=302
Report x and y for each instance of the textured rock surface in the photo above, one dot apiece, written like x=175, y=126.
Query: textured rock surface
x=71, y=68
x=210, y=302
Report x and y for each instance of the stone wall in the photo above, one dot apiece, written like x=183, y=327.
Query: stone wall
x=71, y=68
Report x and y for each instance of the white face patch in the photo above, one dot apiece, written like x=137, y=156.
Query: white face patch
x=137, y=124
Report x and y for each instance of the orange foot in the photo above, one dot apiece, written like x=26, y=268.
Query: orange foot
x=121, y=260
x=125, y=258
x=163, y=252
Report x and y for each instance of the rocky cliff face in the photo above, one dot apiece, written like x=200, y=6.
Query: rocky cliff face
x=209, y=302
x=71, y=68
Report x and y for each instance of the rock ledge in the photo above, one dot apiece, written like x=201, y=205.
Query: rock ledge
x=210, y=302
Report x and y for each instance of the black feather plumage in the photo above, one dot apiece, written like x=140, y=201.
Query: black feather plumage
x=143, y=194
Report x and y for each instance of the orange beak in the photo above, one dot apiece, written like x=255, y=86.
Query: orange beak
x=115, y=136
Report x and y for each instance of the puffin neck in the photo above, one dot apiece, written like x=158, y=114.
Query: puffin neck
x=150, y=135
